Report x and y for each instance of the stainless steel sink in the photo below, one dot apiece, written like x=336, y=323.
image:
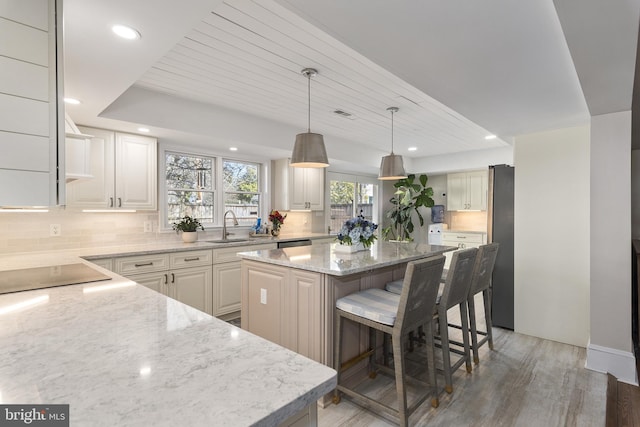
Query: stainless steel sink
x=227, y=240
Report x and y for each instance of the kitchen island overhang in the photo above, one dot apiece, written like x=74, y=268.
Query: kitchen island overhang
x=289, y=295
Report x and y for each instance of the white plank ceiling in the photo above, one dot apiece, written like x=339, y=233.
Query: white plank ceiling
x=247, y=56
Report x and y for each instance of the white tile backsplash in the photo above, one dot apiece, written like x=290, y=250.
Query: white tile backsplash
x=29, y=232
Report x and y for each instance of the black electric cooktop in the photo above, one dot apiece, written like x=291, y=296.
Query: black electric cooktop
x=27, y=279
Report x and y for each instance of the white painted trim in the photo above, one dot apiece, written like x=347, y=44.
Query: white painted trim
x=621, y=364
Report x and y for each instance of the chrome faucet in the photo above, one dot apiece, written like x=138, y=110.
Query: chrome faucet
x=225, y=233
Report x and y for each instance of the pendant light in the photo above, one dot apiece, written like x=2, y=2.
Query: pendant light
x=309, y=151
x=392, y=167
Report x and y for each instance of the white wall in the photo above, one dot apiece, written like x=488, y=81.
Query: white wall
x=552, y=235
x=610, y=345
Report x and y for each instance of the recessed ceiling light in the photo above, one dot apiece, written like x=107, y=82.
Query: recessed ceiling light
x=490, y=137
x=233, y=148
x=145, y=130
x=71, y=101
x=126, y=32
x=412, y=148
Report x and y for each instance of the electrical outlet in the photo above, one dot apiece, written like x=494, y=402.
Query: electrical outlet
x=148, y=227
x=263, y=296
x=55, y=230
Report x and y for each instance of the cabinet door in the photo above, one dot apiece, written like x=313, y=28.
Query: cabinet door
x=157, y=281
x=297, y=188
x=304, y=322
x=226, y=288
x=97, y=192
x=192, y=286
x=477, y=190
x=456, y=191
x=314, y=186
x=135, y=172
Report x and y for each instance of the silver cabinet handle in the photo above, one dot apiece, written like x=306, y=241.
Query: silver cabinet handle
x=461, y=237
x=192, y=259
x=119, y=202
x=144, y=264
x=110, y=202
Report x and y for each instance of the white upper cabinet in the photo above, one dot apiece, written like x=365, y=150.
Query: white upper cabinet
x=298, y=188
x=124, y=173
x=467, y=191
x=30, y=98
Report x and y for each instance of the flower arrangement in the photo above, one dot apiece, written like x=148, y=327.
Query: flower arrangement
x=357, y=230
x=277, y=219
x=187, y=224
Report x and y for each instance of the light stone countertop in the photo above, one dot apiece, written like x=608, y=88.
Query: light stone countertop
x=71, y=256
x=121, y=354
x=323, y=258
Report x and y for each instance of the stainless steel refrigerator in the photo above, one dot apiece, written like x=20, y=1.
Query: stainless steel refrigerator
x=500, y=213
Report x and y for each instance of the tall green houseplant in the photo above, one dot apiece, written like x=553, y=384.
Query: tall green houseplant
x=409, y=196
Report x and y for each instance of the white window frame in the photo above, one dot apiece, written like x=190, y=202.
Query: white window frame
x=264, y=171
x=357, y=179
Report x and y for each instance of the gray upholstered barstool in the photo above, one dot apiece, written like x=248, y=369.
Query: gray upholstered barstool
x=395, y=315
x=454, y=292
x=481, y=282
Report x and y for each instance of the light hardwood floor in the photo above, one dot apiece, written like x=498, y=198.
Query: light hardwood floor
x=524, y=381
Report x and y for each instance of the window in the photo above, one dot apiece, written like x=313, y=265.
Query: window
x=206, y=187
x=241, y=193
x=190, y=187
x=350, y=196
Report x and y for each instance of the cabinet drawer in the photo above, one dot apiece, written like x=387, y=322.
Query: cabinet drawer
x=229, y=254
x=462, y=237
x=190, y=258
x=141, y=264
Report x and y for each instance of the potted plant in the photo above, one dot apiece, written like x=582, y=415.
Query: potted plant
x=410, y=196
x=189, y=227
x=277, y=219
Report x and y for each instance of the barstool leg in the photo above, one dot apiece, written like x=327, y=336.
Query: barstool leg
x=373, y=341
x=474, y=332
x=487, y=316
x=464, y=317
x=398, y=361
x=446, y=355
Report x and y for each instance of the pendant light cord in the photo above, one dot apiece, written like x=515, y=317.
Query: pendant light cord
x=392, y=131
x=309, y=98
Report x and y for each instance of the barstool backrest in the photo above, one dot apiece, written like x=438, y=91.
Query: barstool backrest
x=419, y=293
x=458, y=283
x=485, y=261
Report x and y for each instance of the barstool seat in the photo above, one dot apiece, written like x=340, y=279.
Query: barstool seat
x=373, y=304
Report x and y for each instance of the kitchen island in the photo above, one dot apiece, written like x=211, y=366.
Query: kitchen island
x=289, y=295
x=121, y=354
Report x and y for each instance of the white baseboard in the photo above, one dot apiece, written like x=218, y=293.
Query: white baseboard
x=621, y=364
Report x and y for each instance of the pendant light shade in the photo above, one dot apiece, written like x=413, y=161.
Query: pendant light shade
x=309, y=151
x=392, y=166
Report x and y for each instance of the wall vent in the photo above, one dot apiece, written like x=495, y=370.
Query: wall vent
x=344, y=114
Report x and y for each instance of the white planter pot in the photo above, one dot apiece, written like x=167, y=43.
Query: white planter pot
x=189, y=236
x=349, y=249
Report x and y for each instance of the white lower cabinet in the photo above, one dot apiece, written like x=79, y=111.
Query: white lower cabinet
x=227, y=279
x=183, y=276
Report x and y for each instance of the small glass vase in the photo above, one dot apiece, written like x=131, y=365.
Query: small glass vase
x=275, y=232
